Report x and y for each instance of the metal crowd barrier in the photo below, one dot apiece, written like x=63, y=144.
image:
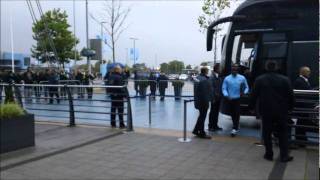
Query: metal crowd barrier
x=306, y=114
x=73, y=107
x=165, y=88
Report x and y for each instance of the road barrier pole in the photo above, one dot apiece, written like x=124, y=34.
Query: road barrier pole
x=71, y=107
x=150, y=109
x=184, y=139
x=129, y=111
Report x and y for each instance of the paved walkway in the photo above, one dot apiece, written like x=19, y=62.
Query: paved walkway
x=156, y=154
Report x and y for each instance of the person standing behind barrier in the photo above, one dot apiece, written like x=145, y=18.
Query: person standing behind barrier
x=37, y=79
x=216, y=81
x=79, y=78
x=106, y=79
x=45, y=79
x=202, y=97
x=53, y=79
x=63, y=78
x=153, y=85
x=88, y=80
x=117, y=97
x=274, y=95
x=163, y=85
x=233, y=87
x=302, y=83
x=136, y=83
x=28, y=78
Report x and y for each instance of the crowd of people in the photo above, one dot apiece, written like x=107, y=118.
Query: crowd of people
x=48, y=76
x=271, y=97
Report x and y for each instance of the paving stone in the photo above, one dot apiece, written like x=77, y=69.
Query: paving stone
x=146, y=156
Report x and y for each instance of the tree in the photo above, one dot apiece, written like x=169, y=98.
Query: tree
x=53, y=39
x=204, y=64
x=212, y=10
x=164, y=67
x=114, y=17
x=188, y=66
x=176, y=66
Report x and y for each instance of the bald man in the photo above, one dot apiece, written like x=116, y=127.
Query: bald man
x=302, y=83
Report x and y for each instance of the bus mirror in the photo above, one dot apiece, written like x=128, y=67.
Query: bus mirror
x=222, y=43
x=210, y=32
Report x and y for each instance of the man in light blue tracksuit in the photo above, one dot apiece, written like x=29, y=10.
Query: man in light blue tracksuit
x=233, y=87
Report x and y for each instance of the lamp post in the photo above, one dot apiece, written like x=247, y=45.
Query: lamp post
x=74, y=31
x=101, y=24
x=134, y=49
x=87, y=38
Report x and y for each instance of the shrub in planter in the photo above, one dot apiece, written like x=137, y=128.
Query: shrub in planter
x=177, y=86
x=16, y=128
x=143, y=84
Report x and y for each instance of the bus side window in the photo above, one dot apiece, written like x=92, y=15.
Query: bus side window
x=244, y=50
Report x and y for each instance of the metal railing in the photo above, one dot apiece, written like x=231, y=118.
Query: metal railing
x=73, y=108
x=162, y=88
x=306, y=114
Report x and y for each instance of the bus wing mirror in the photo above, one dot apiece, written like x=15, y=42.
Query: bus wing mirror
x=210, y=33
x=211, y=30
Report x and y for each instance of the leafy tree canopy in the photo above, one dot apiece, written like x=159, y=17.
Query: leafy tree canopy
x=54, y=24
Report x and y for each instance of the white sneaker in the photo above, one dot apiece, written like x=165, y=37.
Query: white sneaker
x=234, y=133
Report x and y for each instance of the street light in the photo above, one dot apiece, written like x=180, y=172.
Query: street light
x=101, y=24
x=87, y=37
x=134, y=49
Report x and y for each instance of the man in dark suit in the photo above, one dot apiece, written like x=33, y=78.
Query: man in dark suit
x=274, y=95
x=163, y=85
x=302, y=83
x=202, y=96
x=117, y=97
x=216, y=81
x=153, y=85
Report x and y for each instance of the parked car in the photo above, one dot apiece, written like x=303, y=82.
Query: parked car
x=173, y=76
x=183, y=77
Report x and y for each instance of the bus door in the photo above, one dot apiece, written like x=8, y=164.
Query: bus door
x=251, y=49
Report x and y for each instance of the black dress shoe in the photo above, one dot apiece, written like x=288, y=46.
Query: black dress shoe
x=286, y=159
x=268, y=157
x=217, y=128
x=122, y=126
x=302, y=145
x=113, y=125
x=203, y=136
x=195, y=133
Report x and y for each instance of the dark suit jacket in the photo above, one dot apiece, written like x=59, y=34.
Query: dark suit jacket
x=274, y=95
x=203, y=93
x=217, y=86
x=301, y=84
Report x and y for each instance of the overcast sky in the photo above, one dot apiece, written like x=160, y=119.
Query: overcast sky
x=166, y=30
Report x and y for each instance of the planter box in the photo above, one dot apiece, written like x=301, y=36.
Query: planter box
x=16, y=133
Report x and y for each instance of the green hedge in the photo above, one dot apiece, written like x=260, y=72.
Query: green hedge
x=10, y=110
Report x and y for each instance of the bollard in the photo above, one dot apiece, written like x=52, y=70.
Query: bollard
x=71, y=107
x=150, y=109
x=184, y=139
x=129, y=116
